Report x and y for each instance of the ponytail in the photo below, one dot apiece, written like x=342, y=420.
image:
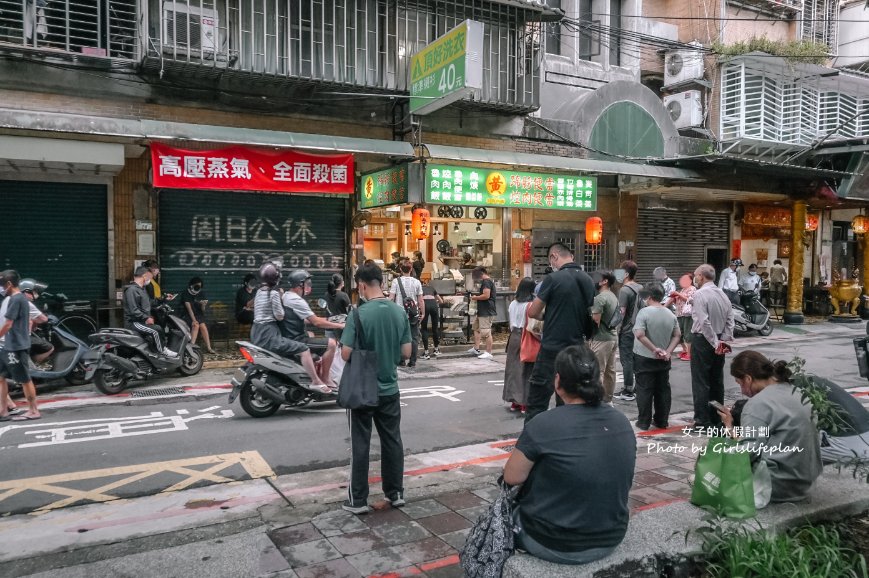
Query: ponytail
x=579, y=374
x=782, y=372
x=336, y=281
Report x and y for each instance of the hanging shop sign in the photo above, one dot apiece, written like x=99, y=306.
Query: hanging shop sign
x=239, y=168
x=448, y=69
x=421, y=223
x=387, y=187
x=453, y=185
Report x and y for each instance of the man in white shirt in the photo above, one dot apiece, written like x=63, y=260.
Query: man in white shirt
x=729, y=281
x=412, y=290
x=751, y=282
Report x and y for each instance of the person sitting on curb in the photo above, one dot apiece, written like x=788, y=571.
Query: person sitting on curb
x=576, y=463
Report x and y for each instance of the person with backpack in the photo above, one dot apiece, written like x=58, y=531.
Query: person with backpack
x=606, y=314
x=407, y=292
x=629, y=303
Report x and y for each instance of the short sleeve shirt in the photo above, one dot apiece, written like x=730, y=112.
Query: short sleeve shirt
x=412, y=287
x=568, y=294
x=17, y=309
x=386, y=329
x=629, y=298
x=298, y=304
x=658, y=324
x=605, y=304
x=487, y=308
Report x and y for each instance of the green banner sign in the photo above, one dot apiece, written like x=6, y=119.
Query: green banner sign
x=449, y=185
x=386, y=187
x=448, y=69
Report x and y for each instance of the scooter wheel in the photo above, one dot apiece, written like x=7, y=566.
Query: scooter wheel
x=191, y=363
x=256, y=406
x=76, y=376
x=766, y=329
x=110, y=381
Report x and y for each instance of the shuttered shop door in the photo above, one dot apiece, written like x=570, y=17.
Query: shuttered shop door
x=220, y=236
x=56, y=233
x=678, y=240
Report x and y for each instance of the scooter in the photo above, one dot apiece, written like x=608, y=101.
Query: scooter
x=72, y=359
x=125, y=355
x=269, y=381
x=751, y=315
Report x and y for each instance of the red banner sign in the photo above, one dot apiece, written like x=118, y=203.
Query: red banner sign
x=240, y=168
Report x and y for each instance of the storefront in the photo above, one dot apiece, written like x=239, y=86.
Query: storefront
x=222, y=213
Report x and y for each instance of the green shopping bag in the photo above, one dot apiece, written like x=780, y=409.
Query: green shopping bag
x=723, y=480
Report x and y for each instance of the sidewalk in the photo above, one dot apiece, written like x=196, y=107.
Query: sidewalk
x=292, y=525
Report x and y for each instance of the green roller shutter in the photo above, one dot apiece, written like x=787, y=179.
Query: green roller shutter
x=220, y=236
x=56, y=233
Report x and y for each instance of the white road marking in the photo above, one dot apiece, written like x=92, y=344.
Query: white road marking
x=183, y=412
x=212, y=408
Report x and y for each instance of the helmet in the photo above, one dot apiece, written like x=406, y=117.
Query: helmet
x=32, y=286
x=270, y=274
x=737, y=262
x=297, y=278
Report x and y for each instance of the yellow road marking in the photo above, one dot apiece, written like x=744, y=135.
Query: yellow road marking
x=252, y=462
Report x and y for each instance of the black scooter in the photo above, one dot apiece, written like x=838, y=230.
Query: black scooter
x=126, y=355
x=269, y=381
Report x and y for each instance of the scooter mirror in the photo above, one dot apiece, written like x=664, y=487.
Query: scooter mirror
x=321, y=303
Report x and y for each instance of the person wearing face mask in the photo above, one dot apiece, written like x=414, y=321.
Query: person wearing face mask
x=244, y=300
x=152, y=288
x=729, y=281
x=408, y=287
x=604, y=342
x=750, y=283
x=299, y=312
x=194, y=302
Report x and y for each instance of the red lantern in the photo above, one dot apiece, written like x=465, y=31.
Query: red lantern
x=860, y=224
x=811, y=222
x=594, y=230
x=421, y=223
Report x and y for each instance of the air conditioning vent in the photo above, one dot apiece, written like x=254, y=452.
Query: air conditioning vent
x=189, y=29
x=682, y=65
x=685, y=108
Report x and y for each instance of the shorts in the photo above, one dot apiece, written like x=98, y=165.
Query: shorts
x=685, y=324
x=15, y=365
x=39, y=345
x=483, y=325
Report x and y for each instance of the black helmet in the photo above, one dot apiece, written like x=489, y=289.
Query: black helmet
x=270, y=274
x=32, y=286
x=297, y=278
x=737, y=262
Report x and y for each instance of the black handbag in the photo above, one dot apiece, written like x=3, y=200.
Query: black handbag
x=359, y=388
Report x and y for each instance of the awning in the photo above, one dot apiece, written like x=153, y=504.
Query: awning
x=71, y=124
x=60, y=156
x=559, y=163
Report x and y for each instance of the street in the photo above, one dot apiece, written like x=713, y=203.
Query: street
x=104, y=448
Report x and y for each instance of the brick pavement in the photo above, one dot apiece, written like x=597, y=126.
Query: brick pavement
x=424, y=537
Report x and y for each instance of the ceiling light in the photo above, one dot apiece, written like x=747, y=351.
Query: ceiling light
x=479, y=227
x=407, y=229
x=456, y=228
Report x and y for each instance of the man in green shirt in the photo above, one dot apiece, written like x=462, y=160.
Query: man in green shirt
x=387, y=331
x=605, y=341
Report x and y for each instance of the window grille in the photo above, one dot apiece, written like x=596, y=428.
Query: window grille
x=594, y=256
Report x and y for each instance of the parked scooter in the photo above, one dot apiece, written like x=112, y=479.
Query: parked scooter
x=72, y=359
x=126, y=355
x=752, y=315
x=269, y=381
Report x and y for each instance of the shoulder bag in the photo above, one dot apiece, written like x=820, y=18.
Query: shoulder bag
x=359, y=388
x=410, y=305
x=529, y=347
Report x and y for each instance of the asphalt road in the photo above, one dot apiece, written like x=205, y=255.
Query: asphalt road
x=437, y=413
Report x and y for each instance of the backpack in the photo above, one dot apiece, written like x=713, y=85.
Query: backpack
x=411, y=307
x=615, y=319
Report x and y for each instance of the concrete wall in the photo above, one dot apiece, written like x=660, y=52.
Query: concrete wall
x=853, y=34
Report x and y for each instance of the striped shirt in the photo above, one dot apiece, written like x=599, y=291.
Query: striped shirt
x=267, y=306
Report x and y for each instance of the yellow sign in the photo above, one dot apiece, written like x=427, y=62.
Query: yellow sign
x=496, y=184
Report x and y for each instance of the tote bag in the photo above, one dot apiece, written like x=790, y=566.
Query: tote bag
x=723, y=480
x=529, y=347
x=358, y=388
x=490, y=541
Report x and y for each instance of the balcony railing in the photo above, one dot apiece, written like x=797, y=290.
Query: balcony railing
x=355, y=44
x=91, y=27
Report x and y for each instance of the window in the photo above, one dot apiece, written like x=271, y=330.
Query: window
x=586, y=49
x=553, y=32
x=615, y=39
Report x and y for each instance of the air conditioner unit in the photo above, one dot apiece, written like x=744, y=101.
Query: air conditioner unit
x=189, y=29
x=685, y=108
x=682, y=65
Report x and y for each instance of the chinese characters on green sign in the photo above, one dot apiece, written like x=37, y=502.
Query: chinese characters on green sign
x=448, y=69
x=471, y=186
x=386, y=187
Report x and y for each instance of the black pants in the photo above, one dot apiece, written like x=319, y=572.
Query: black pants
x=387, y=420
x=414, y=342
x=433, y=317
x=707, y=381
x=653, y=391
x=626, y=356
x=541, y=384
x=733, y=296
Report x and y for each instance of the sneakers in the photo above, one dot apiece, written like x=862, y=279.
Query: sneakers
x=485, y=355
x=625, y=395
x=474, y=351
x=684, y=356
x=348, y=506
x=397, y=499
x=436, y=352
x=169, y=353
x=425, y=355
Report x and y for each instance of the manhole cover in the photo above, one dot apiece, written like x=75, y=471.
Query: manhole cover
x=157, y=391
